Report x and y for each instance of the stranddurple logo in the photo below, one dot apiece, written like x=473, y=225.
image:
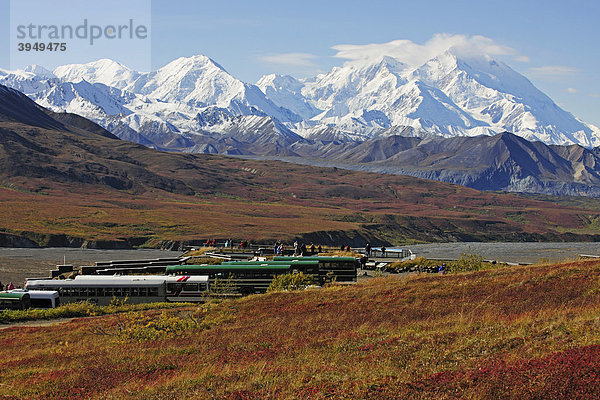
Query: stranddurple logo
x=85, y=31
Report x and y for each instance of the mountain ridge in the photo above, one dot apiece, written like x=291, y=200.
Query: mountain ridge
x=448, y=95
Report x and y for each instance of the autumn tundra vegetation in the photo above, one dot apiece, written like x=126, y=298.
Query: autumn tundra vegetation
x=520, y=332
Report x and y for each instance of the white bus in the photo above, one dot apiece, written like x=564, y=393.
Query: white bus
x=136, y=289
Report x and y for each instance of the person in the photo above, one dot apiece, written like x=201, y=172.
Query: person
x=312, y=248
x=382, y=251
x=368, y=249
x=296, y=248
x=342, y=247
x=275, y=247
x=320, y=249
x=441, y=270
x=10, y=286
x=226, y=243
x=303, y=250
x=348, y=248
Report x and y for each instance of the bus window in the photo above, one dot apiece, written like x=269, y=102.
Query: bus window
x=118, y=292
x=109, y=292
x=143, y=292
x=153, y=292
x=190, y=287
x=100, y=292
x=41, y=303
x=135, y=292
x=171, y=287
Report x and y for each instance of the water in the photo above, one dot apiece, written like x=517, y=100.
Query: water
x=16, y=264
x=508, y=252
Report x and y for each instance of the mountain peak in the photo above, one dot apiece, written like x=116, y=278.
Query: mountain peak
x=198, y=61
x=105, y=71
x=39, y=71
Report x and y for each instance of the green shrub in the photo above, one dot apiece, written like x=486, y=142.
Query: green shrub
x=223, y=286
x=291, y=281
x=467, y=262
x=80, y=309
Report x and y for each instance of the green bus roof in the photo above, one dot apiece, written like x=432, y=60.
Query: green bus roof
x=228, y=267
x=314, y=258
x=274, y=262
x=5, y=295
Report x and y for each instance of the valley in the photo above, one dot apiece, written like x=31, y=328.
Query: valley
x=66, y=181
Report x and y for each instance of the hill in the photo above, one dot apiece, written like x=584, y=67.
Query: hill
x=343, y=117
x=510, y=333
x=66, y=181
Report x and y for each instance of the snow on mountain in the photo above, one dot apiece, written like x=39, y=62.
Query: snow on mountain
x=493, y=92
x=94, y=102
x=285, y=91
x=200, y=82
x=105, y=71
x=448, y=95
x=39, y=71
x=168, y=102
x=25, y=82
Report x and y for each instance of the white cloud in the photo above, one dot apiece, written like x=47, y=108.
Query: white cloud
x=416, y=54
x=595, y=95
x=553, y=71
x=291, y=59
x=572, y=90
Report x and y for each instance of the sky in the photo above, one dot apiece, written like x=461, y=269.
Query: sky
x=553, y=43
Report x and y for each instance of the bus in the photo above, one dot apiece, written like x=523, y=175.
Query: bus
x=342, y=269
x=244, y=277
x=41, y=298
x=14, y=301
x=135, y=289
x=310, y=267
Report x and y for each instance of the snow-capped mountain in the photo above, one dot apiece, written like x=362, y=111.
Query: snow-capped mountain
x=108, y=72
x=166, y=108
x=191, y=100
x=447, y=96
x=286, y=92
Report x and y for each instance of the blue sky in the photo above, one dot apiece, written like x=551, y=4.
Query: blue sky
x=559, y=39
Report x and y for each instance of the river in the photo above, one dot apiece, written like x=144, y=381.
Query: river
x=16, y=264
x=508, y=252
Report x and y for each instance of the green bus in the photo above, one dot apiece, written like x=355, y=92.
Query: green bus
x=310, y=267
x=14, y=301
x=342, y=269
x=244, y=277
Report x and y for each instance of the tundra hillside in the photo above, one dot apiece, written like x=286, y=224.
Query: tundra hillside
x=65, y=181
x=513, y=333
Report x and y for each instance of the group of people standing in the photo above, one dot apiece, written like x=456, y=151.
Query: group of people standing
x=300, y=249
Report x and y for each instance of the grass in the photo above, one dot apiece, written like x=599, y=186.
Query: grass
x=393, y=208
x=83, y=309
x=515, y=332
